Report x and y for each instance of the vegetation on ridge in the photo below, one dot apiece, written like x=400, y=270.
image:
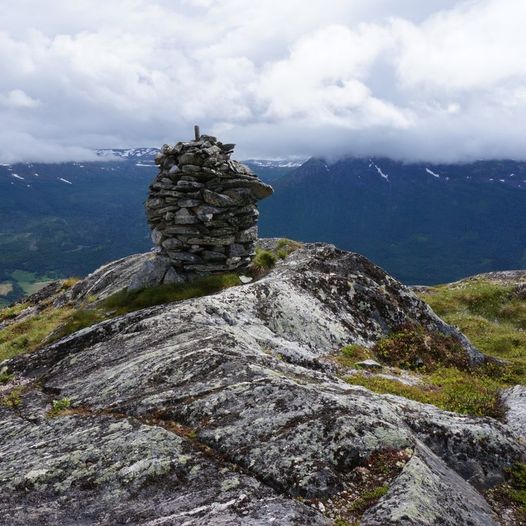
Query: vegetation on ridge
x=493, y=317
x=53, y=323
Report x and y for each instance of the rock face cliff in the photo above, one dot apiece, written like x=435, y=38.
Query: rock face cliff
x=227, y=410
x=202, y=208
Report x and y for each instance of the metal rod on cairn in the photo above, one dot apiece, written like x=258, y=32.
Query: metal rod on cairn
x=197, y=133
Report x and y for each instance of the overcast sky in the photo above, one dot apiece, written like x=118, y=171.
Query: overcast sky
x=436, y=80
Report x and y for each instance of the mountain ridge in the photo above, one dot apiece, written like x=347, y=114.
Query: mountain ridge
x=242, y=394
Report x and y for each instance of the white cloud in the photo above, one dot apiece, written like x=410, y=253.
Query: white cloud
x=437, y=80
x=17, y=99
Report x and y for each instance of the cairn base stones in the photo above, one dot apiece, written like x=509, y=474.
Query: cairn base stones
x=202, y=207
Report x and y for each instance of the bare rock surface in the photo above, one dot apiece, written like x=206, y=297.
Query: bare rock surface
x=224, y=410
x=514, y=399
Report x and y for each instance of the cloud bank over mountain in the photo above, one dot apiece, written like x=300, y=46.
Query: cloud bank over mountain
x=438, y=80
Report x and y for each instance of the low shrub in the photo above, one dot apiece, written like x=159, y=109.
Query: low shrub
x=412, y=347
x=58, y=406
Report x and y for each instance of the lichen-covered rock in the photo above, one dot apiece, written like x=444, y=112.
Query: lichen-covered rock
x=514, y=400
x=202, y=207
x=100, y=470
x=429, y=493
x=238, y=384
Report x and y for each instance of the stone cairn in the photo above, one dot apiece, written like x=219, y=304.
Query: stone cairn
x=202, y=207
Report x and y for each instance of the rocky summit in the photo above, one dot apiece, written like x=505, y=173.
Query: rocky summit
x=230, y=409
x=201, y=208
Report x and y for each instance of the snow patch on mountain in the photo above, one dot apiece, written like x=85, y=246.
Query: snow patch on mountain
x=430, y=172
x=277, y=163
x=379, y=170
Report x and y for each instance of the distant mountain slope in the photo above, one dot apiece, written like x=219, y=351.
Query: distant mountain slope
x=424, y=223
x=65, y=219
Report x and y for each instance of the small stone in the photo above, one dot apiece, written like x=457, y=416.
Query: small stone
x=245, y=279
x=215, y=199
x=172, y=243
x=188, y=185
x=212, y=255
x=369, y=364
x=157, y=237
x=185, y=256
x=251, y=234
x=185, y=217
x=188, y=203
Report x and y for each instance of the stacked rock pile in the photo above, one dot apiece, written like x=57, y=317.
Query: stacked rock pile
x=202, y=207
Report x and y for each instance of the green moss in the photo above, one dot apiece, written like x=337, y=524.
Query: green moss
x=368, y=498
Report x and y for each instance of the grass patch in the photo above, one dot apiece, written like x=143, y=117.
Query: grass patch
x=52, y=324
x=80, y=319
x=266, y=259
x=129, y=301
x=58, y=406
x=27, y=335
x=351, y=354
x=263, y=261
x=69, y=282
x=13, y=399
x=285, y=247
x=493, y=317
x=450, y=389
x=12, y=312
x=5, y=377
